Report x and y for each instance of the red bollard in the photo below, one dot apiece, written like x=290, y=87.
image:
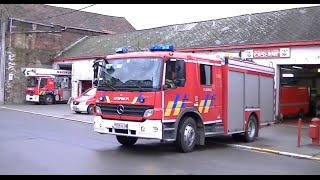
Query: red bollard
x=299, y=132
x=314, y=131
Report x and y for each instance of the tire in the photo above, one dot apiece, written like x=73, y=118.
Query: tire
x=252, y=129
x=186, y=135
x=78, y=112
x=127, y=141
x=48, y=99
x=90, y=109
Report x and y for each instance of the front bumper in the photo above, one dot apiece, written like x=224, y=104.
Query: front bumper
x=33, y=98
x=149, y=129
x=81, y=108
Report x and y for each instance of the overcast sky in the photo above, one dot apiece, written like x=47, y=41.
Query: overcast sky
x=145, y=16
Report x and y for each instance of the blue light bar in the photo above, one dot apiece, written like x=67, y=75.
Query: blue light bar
x=122, y=50
x=161, y=48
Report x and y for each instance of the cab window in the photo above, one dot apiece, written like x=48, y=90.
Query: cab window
x=205, y=74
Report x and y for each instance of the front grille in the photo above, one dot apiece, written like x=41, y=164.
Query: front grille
x=30, y=92
x=129, y=110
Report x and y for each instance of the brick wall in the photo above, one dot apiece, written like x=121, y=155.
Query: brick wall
x=33, y=45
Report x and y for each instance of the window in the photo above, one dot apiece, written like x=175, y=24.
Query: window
x=205, y=74
x=43, y=82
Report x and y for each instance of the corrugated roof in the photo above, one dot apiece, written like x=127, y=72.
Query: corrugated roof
x=289, y=25
x=79, y=19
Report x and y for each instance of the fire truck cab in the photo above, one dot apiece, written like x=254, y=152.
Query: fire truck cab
x=47, y=86
x=180, y=97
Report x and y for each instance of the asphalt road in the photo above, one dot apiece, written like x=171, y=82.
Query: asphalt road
x=34, y=144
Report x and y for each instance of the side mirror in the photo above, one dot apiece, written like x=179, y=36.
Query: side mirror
x=95, y=82
x=180, y=70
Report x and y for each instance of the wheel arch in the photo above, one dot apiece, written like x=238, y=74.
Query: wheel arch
x=192, y=112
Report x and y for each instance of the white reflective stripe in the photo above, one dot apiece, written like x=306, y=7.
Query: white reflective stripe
x=162, y=93
x=214, y=121
x=202, y=62
x=239, y=67
x=168, y=120
x=252, y=109
x=252, y=66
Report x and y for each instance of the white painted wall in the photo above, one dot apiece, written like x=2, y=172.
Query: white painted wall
x=81, y=70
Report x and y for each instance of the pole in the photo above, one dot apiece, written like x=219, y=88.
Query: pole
x=299, y=132
x=2, y=61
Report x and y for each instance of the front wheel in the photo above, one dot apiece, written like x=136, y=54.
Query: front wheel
x=186, y=136
x=252, y=129
x=127, y=141
x=90, y=109
x=48, y=99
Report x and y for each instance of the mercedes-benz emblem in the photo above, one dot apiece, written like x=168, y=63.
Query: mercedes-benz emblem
x=120, y=109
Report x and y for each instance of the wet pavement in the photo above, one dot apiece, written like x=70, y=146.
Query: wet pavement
x=37, y=144
x=277, y=137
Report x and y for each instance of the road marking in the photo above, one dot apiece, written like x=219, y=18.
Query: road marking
x=58, y=117
x=301, y=156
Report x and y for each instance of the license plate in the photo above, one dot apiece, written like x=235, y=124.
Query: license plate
x=75, y=108
x=120, y=126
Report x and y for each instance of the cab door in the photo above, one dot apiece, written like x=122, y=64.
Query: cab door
x=177, y=97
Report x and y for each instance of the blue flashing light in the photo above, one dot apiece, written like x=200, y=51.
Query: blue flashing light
x=161, y=48
x=122, y=50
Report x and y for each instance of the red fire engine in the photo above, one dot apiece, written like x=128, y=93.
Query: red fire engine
x=294, y=100
x=47, y=86
x=180, y=97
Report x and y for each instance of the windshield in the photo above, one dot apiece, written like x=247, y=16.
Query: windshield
x=90, y=92
x=32, y=82
x=131, y=74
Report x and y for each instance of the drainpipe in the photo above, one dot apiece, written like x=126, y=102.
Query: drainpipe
x=2, y=62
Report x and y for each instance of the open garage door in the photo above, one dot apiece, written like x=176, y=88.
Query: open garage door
x=299, y=91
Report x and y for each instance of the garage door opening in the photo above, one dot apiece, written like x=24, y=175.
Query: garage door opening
x=299, y=94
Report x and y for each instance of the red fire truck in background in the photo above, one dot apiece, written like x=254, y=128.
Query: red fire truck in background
x=180, y=97
x=47, y=86
x=294, y=100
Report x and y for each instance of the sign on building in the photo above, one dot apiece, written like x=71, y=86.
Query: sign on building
x=267, y=53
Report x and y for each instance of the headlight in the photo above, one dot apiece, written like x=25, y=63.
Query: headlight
x=98, y=110
x=148, y=113
x=82, y=103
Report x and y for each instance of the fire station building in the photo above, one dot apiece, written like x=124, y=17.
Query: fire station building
x=288, y=40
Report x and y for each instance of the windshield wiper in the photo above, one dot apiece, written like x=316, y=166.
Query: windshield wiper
x=139, y=86
x=109, y=85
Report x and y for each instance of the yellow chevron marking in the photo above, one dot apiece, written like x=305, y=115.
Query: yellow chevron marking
x=201, y=106
x=108, y=99
x=178, y=108
x=206, y=109
x=169, y=108
x=134, y=100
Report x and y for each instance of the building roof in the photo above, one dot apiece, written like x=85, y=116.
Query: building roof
x=291, y=25
x=78, y=19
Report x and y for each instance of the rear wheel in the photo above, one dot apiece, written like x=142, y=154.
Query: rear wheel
x=186, y=136
x=252, y=129
x=127, y=141
x=78, y=112
x=48, y=99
